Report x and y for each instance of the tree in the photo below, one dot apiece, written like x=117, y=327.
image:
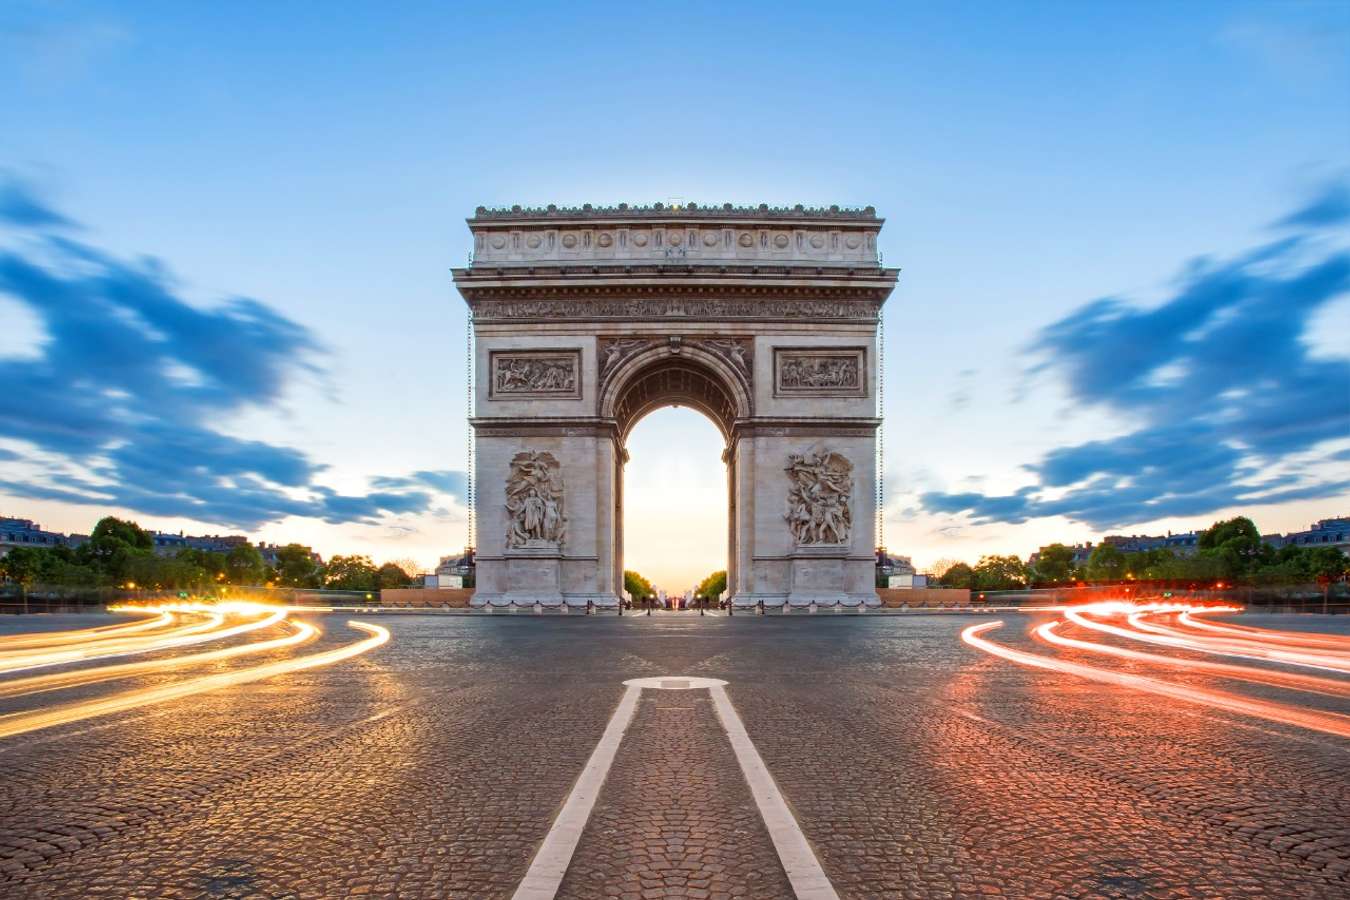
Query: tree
x=296, y=567
x=713, y=586
x=959, y=575
x=112, y=546
x=637, y=586
x=393, y=575
x=1054, y=564
x=23, y=565
x=1107, y=563
x=999, y=573
x=123, y=530
x=1233, y=547
x=351, y=573
x=410, y=566
x=245, y=565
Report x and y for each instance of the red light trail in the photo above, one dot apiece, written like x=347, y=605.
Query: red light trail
x=1254, y=643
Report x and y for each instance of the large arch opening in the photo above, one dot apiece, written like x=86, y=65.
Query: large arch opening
x=675, y=517
x=674, y=509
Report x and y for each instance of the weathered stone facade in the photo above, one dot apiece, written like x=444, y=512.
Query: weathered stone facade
x=762, y=319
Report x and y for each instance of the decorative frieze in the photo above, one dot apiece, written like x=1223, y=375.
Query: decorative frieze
x=534, y=502
x=675, y=308
x=536, y=374
x=819, y=498
x=820, y=371
x=686, y=234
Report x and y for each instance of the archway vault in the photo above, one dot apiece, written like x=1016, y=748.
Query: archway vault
x=675, y=373
x=586, y=320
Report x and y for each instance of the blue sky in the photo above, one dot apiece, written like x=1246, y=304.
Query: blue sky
x=1030, y=159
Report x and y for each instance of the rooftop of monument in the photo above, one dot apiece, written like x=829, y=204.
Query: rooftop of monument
x=484, y=215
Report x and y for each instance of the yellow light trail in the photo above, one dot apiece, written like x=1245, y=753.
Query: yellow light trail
x=187, y=636
x=16, y=660
x=22, y=723
x=58, y=638
x=37, y=684
x=1325, y=722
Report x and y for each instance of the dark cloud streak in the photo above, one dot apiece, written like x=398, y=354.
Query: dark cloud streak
x=1219, y=374
x=130, y=377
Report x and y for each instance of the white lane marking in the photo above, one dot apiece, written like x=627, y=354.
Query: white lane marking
x=546, y=871
x=808, y=879
x=545, y=875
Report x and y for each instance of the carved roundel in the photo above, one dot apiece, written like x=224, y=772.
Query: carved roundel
x=675, y=238
x=745, y=240
x=817, y=241
x=499, y=242
x=533, y=241
x=780, y=241
x=605, y=239
x=569, y=241
x=853, y=241
x=640, y=239
x=709, y=238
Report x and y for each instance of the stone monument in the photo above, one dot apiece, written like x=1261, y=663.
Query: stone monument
x=763, y=319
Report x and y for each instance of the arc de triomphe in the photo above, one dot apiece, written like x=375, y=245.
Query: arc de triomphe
x=763, y=319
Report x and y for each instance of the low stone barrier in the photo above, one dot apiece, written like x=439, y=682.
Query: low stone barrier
x=426, y=598
x=923, y=598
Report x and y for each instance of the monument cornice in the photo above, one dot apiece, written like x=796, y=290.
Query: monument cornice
x=683, y=273
x=587, y=212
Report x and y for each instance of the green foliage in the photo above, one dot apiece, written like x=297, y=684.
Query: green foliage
x=959, y=575
x=351, y=573
x=245, y=565
x=296, y=568
x=114, y=547
x=1054, y=564
x=637, y=586
x=111, y=528
x=712, y=586
x=1107, y=563
x=999, y=573
x=392, y=575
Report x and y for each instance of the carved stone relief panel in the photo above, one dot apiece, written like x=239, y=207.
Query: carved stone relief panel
x=820, y=371
x=819, y=498
x=614, y=350
x=534, y=502
x=536, y=374
x=736, y=351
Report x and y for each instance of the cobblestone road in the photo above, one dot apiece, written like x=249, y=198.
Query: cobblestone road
x=434, y=766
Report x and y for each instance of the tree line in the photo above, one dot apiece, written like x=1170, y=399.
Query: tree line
x=1229, y=551
x=119, y=553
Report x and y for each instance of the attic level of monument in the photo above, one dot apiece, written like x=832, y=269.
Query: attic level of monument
x=685, y=235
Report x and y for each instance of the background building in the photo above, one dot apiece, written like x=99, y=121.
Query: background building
x=26, y=533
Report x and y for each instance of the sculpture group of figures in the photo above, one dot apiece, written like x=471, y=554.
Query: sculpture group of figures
x=818, y=501
x=523, y=375
x=534, y=500
x=819, y=372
